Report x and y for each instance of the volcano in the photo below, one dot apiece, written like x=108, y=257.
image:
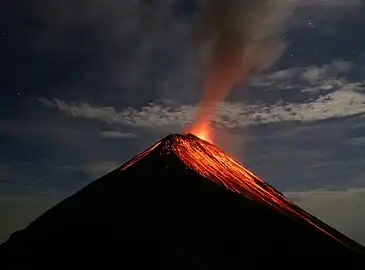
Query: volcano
x=183, y=201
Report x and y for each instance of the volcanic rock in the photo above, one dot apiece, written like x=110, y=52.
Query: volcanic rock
x=181, y=204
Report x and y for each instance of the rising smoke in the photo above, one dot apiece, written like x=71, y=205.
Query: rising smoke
x=241, y=38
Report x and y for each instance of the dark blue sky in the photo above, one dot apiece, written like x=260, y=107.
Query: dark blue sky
x=88, y=84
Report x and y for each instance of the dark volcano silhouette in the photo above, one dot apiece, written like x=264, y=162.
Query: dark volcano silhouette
x=183, y=201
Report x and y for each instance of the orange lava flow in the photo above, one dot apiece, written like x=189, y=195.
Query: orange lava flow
x=212, y=163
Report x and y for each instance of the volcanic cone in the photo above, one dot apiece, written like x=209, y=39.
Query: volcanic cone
x=183, y=201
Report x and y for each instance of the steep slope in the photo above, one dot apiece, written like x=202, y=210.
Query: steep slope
x=183, y=201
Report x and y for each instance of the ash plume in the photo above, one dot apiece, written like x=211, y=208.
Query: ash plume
x=241, y=37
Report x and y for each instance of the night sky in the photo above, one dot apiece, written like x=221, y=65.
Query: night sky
x=86, y=85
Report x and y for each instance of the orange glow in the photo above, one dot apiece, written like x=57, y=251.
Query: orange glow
x=202, y=131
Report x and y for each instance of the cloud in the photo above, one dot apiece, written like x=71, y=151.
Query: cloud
x=151, y=115
x=113, y=134
x=348, y=100
x=128, y=45
x=136, y=51
x=349, y=204
x=313, y=75
x=357, y=141
x=311, y=78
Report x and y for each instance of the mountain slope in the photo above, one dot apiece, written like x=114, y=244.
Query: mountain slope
x=183, y=201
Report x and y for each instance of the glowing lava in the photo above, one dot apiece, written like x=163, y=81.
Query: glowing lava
x=211, y=162
x=214, y=164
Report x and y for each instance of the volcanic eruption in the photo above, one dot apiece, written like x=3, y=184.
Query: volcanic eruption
x=183, y=198
x=239, y=38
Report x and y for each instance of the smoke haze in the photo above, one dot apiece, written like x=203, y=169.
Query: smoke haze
x=243, y=37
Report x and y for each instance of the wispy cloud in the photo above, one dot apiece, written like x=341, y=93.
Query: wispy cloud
x=114, y=134
x=357, y=141
x=151, y=115
x=312, y=78
x=347, y=100
x=313, y=75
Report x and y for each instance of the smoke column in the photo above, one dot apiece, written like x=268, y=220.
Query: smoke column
x=241, y=38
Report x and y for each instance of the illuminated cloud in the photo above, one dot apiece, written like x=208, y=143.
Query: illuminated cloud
x=347, y=100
